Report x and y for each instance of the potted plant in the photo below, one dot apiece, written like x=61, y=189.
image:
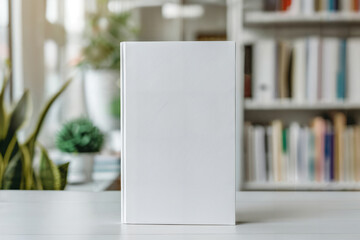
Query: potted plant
x=17, y=167
x=79, y=140
x=101, y=63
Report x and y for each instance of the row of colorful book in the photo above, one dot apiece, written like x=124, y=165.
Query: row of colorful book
x=311, y=6
x=308, y=69
x=325, y=151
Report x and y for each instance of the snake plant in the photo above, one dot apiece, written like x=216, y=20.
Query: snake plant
x=17, y=169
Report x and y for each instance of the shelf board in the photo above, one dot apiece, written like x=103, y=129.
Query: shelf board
x=285, y=18
x=255, y=186
x=251, y=105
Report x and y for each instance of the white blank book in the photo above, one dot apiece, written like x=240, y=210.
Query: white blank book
x=178, y=126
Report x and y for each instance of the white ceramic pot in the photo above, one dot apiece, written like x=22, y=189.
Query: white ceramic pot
x=81, y=167
x=115, y=140
x=100, y=89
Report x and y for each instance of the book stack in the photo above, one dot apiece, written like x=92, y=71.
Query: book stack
x=106, y=166
x=308, y=69
x=325, y=151
x=311, y=6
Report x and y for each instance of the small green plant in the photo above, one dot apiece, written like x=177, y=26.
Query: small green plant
x=17, y=170
x=79, y=136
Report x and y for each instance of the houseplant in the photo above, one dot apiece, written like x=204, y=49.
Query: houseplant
x=79, y=140
x=17, y=168
x=101, y=62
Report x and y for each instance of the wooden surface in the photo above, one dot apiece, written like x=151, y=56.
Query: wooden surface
x=261, y=215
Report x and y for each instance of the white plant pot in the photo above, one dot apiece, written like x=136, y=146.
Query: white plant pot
x=115, y=140
x=100, y=90
x=81, y=167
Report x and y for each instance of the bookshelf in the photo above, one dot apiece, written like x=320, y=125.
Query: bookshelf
x=247, y=23
x=351, y=186
x=260, y=18
x=284, y=105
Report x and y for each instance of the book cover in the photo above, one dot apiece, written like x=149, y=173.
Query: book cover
x=178, y=132
x=270, y=162
x=277, y=149
x=346, y=163
x=270, y=5
x=283, y=68
x=329, y=68
x=294, y=148
x=308, y=7
x=319, y=128
x=299, y=70
x=341, y=74
x=353, y=69
x=285, y=155
x=357, y=153
x=248, y=71
x=312, y=78
x=339, y=120
x=328, y=153
x=295, y=7
x=311, y=151
x=264, y=65
x=345, y=5
x=259, y=154
x=248, y=152
x=355, y=5
x=302, y=164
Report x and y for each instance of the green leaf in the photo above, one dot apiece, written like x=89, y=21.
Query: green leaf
x=30, y=142
x=11, y=150
x=4, y=122
x=17, y=118
x=63, y=168
x=20, y=113
x=13, y=174
x=27, y=167
x=49, y=173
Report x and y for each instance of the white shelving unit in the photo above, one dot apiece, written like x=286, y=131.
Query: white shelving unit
x=250, y=105
x=246, y=23
x=317, y=186
x=260, y=18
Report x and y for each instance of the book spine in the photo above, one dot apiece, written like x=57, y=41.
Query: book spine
x=341, y=78
x=264, y=70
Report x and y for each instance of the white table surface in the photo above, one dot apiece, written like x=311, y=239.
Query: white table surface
x=261, y=215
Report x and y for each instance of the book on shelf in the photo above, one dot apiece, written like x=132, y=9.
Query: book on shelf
x=353, y=59
x=299, y=70
x=308, y=69
x=323, y=152
x=264, y=73
x=312, y=76
x=247, y=71
x=308, y=7
x=329, y=68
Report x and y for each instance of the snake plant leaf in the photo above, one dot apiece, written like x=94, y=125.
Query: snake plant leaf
x=49, y=173
x=27, y=167
x=11, y=150
x=4, y=122
x=17, y=117
x=37, y=185
x=30, y=142
x=20, y=113
x=13, y=174
x=63, y=169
